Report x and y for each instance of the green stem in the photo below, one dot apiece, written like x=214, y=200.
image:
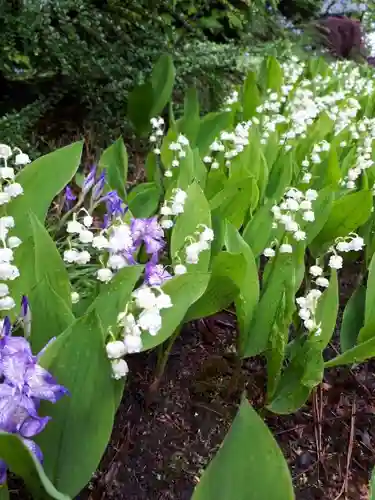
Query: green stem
x=163, y=355
x=66, y=216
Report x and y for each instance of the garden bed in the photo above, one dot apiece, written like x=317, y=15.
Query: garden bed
x=159, y=448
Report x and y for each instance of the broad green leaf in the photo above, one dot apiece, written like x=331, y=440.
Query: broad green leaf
x=144, y=199
x=347, y=214
x=42, y=180
x=115, y=161
x=304, y=371
x=280, y=177
x=250, y=97
x=140, y=102
x=189, y=123
x=248, y=297
x=275, y=74
x=234, y=200
x=79, y=362
x=258, y=231
x=353, y=319
x=162, y=81
x=184, y=291
x=185, y=171
x=196, y=213
x=4, y=492
x=51, y=315
x=21, y=462
x=200, y=171
x=249, y=463
x=114, y=296
x=227, y=279
x=358, y=354
x=44, y=278
x=322, y=209
x=210, y=127
x=370, y=295
x=372, y=485
x=266, y=313
x=327, y=310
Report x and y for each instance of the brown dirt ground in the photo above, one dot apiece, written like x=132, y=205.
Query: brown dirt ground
x=159, y=449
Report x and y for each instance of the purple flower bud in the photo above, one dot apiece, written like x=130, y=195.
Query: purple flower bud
x=89, y=180
x=7, y=327
x=69, y=198
x=115, y=205
x=25, y=316
x=98, y=187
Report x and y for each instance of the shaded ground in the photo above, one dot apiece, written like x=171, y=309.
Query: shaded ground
x=159, y=450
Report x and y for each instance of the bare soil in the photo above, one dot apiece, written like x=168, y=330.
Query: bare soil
x=160, y=448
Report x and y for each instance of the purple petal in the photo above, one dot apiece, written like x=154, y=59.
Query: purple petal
x=155, y=274
x=3, y=472
x=89, y=180
x=69, y=198
x=149, y=232
x=14, y=368
x=41, y=385
x=7, y=327
x=14, y=410
x=34, y=448
x=98, y=187
x=33, y=426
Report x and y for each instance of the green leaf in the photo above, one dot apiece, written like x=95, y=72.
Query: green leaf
x=210, y=127
x=42, y=180
x=322, y=209
x=234, y=200
x=196, y=213
x=44, y=278
x=82, y=422
x=372, y=485
x=275, y=74
x=353, y=319
x=258, y=231
x=189, y=123
x=249, y=463
x=162, y=81
x=115, y=160
x=144, y=199
x=347, y=214
x=370, y=295
x=267, y=310
x=248, y=297
x=22, y=462
x=280, y=177
x=184, y=291
x=114, y=296
x=327, y=310
x=358, y=354
x=226, y=280
x=250, y=97
x=140, y=102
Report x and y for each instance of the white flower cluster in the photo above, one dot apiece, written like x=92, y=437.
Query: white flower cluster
x=172, y=207
x=9, y=190
x=146, y=304
x=229, y=145
x=20, y=158
x=179, y=149
x=295, y=206
x=351, y=243
x=157, y=133
x=307, y=311
x=364, y=128
x=231, y=99
x=114, y=241
x=198, y=244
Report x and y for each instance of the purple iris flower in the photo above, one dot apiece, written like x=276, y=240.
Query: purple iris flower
x=156, y=274
x=69, y=198
x=149, y=232
x=24, y=385
x=98, y=187
x=89, y=180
